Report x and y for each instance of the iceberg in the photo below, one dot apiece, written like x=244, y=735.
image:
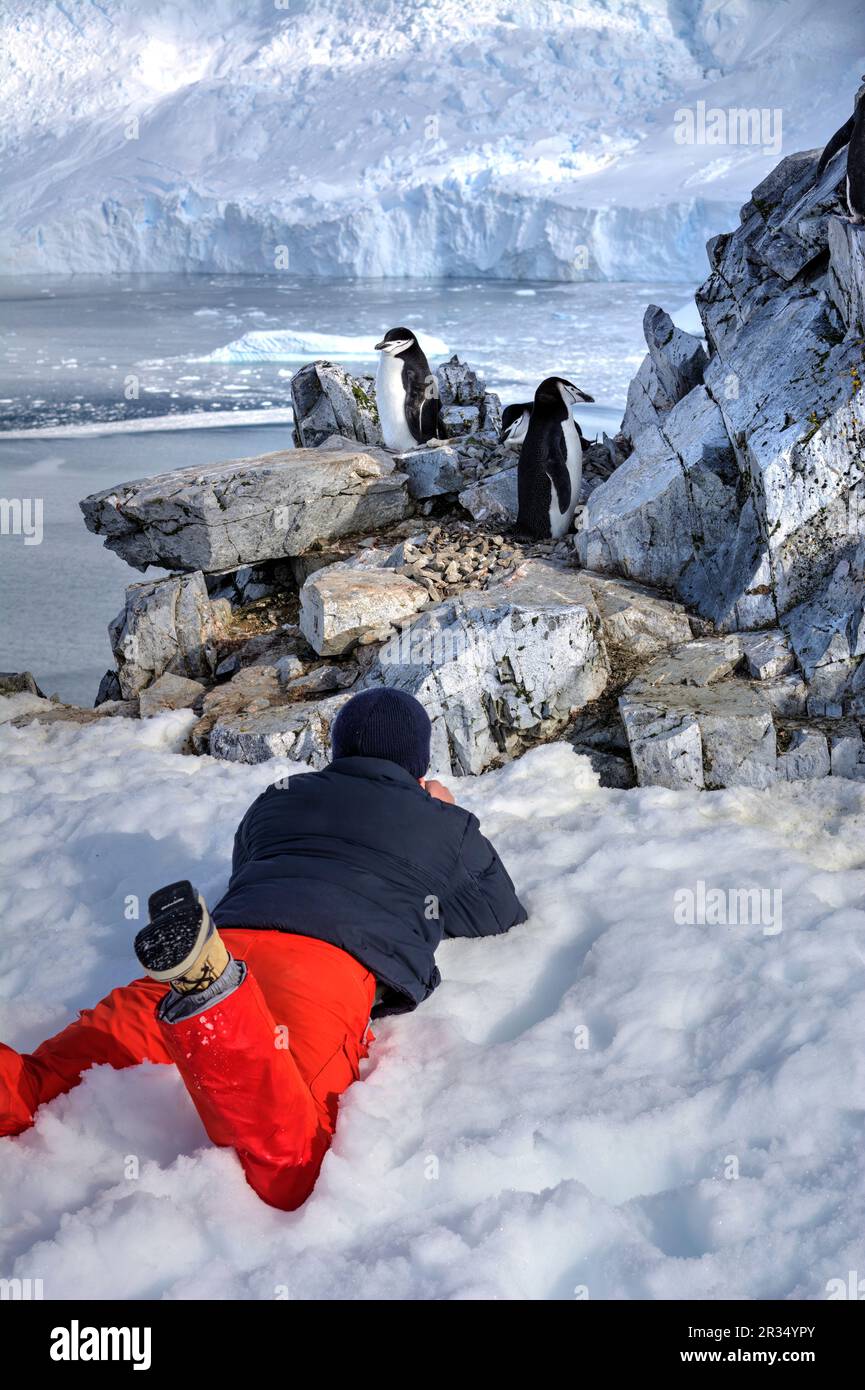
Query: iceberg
x=294, y=345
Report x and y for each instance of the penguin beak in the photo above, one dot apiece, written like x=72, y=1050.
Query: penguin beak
x=581, y=395
x=394, y=346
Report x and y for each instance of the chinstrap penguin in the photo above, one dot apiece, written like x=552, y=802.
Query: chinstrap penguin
x=515, y=422
x=406, y=391
x=851, y=134
x=550, y=466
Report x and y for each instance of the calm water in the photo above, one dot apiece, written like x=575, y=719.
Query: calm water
x=70, y=424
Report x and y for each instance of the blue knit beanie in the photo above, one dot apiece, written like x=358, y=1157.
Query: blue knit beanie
x=384, y=723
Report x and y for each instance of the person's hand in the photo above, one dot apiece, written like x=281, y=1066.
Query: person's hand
x=437, y=791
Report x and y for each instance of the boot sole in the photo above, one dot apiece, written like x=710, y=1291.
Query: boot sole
x=178, y=931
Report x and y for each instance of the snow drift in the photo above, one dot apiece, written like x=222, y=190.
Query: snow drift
x=602, y=1103
x=339, y=137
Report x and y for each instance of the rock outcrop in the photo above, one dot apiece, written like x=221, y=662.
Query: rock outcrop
x=743, y=492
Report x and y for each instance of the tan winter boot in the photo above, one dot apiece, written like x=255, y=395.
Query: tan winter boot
x=180, y=945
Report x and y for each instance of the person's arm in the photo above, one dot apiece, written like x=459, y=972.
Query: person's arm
x=485, y=902
x=437, y=790
x=240, y=853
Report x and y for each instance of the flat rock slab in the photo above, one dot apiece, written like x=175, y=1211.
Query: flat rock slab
x=249, y=510
x=637, y=622
x=698, y=663
x=44, y=711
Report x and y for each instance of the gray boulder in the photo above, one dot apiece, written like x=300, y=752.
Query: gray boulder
x=459, y=384
x=328, y=400
x=432, y=471
x=498, y=667
x=109, y=689
x=493, y=499
x=300, y=731
x=468, y=408
x=17, y=683
x=166, y=625
x=806, y=756
x=460, y=419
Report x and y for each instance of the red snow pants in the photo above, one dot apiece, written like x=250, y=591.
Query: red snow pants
x=265, y=1067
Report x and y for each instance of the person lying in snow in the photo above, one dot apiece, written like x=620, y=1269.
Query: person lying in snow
x=343, y=883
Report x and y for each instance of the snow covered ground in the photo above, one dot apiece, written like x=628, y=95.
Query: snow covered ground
x=702, y=1139
x=397, y=137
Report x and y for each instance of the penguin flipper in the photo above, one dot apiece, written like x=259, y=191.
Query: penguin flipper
x=422, y=405
x=555, y=461
x=838, y=141
x=430, y=412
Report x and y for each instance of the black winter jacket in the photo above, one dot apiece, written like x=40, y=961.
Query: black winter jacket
x=361, y=856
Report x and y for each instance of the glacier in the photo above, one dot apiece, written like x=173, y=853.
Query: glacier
x=339, y=138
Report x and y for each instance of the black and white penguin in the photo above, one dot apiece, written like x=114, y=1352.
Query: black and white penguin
x=550, y=467
x=851, y=134
x=406, y=392
x=515, y=422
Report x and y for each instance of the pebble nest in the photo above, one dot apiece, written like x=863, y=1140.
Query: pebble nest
x=451, y=558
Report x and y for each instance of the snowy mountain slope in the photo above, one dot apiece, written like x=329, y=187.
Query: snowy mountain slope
x=395, y=137
x=705, y=1143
